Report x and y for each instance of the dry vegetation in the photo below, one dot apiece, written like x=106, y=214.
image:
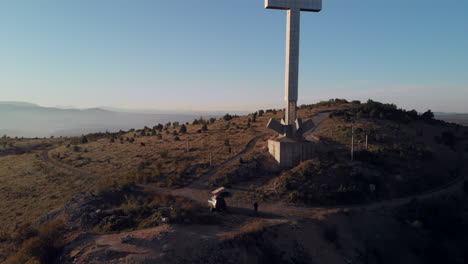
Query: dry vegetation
x=402, y=157
x=405, y=154
x=163, y=161
x=29, y=188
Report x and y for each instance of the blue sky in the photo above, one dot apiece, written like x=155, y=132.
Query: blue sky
x=229, y=55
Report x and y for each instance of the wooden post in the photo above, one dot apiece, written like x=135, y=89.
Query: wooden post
x=211, y=159
x=352, y=142
x=367, y=146
x=187, y=146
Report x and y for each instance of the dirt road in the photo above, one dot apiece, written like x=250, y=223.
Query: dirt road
x=199, y=189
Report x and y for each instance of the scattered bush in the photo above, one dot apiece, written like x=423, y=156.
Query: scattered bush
x=183, y=129
x=227, y=117
x=330, y=234
x=294, y=196
x=164, y=154
x=158, y=127
x=38, y=246
x=428, y=115
x=4, y=236
x=448, y=138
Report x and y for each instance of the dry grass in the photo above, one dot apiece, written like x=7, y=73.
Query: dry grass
x=253, y=227
x=30, y=188
x=164, y=157
x=39, y=246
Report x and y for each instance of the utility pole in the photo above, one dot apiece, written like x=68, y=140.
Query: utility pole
x=352, y=142
x=367, y=146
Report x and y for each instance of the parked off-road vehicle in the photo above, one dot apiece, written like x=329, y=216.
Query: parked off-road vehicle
x=217, y=204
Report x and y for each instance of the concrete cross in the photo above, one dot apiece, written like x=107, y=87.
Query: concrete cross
x=291, y=125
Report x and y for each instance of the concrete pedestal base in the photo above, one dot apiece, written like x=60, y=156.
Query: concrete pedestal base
x=289, y=153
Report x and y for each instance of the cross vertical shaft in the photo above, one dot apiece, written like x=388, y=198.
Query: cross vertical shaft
x=291, y=146
x=292, y=64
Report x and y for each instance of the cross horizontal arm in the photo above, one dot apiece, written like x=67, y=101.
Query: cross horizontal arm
x=303, y=5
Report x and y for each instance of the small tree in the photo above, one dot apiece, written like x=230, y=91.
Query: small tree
x=84, y=140
x=204, y=128
x=159, y=127
x=428, y=115
x=164, y=153
x=183, y=129
x=359, y=115
x=227, y=117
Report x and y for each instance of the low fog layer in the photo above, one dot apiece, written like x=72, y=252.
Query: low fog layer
x=29, y=120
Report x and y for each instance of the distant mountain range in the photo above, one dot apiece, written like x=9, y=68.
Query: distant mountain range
x=30, y=120
x=458, y=118
x=22, y=119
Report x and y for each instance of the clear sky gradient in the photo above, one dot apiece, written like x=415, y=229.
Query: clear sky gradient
x=229, y=55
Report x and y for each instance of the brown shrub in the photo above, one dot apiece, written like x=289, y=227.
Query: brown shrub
x=41, y=247
x=255, y=227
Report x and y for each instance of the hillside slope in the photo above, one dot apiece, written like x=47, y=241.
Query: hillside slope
x=140, y=195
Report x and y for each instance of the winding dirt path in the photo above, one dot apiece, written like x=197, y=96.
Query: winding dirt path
x=46, y=158
x=199, y=190
x=157, y=242
x=201, y=183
